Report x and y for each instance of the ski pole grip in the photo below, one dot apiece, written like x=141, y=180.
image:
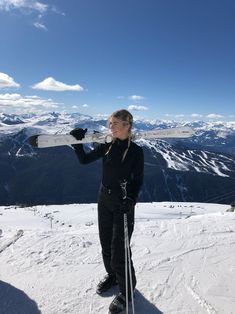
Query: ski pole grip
x=123, y=185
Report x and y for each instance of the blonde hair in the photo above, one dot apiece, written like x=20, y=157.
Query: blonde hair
x=125, y=116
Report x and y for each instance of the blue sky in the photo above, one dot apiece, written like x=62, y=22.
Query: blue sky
x=161, y=59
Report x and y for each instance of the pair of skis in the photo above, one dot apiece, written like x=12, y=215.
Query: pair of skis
x=53, y=140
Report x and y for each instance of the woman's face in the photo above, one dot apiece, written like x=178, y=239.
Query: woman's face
x=119, y=128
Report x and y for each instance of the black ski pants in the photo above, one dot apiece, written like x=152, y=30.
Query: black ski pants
x=111, y=232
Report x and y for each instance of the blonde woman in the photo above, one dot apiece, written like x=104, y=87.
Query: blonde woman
x=122, y=160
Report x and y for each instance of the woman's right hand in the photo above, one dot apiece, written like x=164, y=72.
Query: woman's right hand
x=78, y=133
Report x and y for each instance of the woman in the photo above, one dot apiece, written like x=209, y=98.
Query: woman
x=122, y=159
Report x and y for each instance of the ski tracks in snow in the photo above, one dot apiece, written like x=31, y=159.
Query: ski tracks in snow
x=184, y=272
x=199, y=299
x=181, y=265
x=11, y=240
x=64, y=264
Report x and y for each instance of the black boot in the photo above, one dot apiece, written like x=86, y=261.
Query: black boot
x=118, y=304
x=106, y=283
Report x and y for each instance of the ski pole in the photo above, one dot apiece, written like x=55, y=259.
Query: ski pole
x=128, y=266
x=127, y=252
x=126, y=259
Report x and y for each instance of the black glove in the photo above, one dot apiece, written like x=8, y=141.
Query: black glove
x=78, y=133
x=127, y=205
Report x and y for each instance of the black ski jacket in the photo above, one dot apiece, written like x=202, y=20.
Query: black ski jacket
x=114, y=169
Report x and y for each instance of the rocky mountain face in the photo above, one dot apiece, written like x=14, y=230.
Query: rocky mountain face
x=199, y=169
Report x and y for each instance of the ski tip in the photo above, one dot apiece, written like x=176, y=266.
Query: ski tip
x=20, y=232
x=33, y=140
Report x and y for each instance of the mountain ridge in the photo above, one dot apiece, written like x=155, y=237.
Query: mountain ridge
x=191, y=169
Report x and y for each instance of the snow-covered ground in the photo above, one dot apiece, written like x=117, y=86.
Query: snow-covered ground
x=184, y=255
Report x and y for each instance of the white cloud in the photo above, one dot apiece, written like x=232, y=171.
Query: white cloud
x=102, y=115
x=51, y=84
x=33, y=5
x=7, y=81
x=28, y=7
x=137, y=107
x=196, y=115
x=40, y=26
x=136, y=97
x=79, y=106
x=56, y=10
x=181, y=115
x=20, y=102
x=214, y=116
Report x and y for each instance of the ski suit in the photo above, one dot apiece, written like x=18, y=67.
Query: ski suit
x=110, y=218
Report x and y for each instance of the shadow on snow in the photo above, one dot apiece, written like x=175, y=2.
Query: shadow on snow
x=142, y=305
x=14, y=300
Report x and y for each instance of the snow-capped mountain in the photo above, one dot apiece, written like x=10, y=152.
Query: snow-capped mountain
x=10, y=119
x=194, y=169
x=180, y=159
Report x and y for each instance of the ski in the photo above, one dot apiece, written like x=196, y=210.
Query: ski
x=180, y=132
x=52, y=140
x=12, y=240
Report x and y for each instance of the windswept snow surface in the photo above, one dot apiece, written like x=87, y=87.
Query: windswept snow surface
x=184, y=255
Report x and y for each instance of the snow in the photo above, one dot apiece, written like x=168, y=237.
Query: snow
x=199, y=161
x=184, y=256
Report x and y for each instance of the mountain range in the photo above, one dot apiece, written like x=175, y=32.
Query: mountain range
x=197, y=169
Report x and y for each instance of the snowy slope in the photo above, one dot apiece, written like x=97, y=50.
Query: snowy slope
x=191, y=160
x=184, y=256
